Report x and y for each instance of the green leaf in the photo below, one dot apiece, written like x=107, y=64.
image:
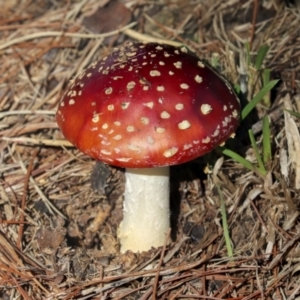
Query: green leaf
x=258, y=97
x=293, y=113
x=225, y=223
x=247, y=46
x=246, y=163
x=261, y=168
x=266, y=79
x=261, y=55
x=266, y=140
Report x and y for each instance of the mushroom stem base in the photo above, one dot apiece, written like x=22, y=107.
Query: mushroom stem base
x=146, y=210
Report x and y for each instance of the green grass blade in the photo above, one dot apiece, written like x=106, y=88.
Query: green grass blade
x=248, y=56
x=225, y=223
x=258, y=97
x=261, y=55
x=244, y=162
x=261, y=168
x=266, y=79
x=266, y=140
x=293, y=113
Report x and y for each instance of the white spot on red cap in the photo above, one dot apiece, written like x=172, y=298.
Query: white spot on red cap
x=145, y=120
x=130, y=128
x=149, y=104
x=133, y=148
x=201, y=64
x=187, y=146
x=206, y=140
x=124, y=105
x=160, y=88
x=206, y=109
x=184, y=125
x=110, y=107
x=105, y=152
x=179, y=106
x=235, y=114
x=71, y=101
x=170, y=152
x=154, y=73
x=130, y=85
x=161, y=63
x=184, y=86
x=171, y=73
x=198, y=79
x=184, y=50
x=117, y=123
x=178, y=64
x=150, y=140
x=165, y=115
x=216, y=133
x=95, y=118
x=123, y=159
x=117, y=137
x=160, y=129
x=105, y=126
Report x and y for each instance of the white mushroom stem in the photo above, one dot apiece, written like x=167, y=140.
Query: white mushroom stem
x=146, y=211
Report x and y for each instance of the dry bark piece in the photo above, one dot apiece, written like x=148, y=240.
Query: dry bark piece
x=108, y=18
x=146, y=107
x=50, y=238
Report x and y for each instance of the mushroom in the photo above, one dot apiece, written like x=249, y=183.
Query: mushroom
x=144, y=108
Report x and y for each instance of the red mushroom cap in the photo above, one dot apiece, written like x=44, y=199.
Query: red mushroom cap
x=148, y=105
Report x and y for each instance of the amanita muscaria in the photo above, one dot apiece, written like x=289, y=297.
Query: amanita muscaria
x=146, y=107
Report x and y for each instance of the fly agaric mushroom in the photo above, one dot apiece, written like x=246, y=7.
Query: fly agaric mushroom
x=146, y=107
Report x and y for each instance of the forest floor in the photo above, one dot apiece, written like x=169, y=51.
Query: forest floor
x=58, y=233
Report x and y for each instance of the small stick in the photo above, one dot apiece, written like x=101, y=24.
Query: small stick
x=44, y=34
x=155, y=284
x=254, y=17
x=27, y=176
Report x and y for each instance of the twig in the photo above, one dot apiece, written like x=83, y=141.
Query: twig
x=48, y=204
x=254, y=17
x=147, y=38
x=45, y=34
x=155, y=284
x=24, y=196
x=33, y=141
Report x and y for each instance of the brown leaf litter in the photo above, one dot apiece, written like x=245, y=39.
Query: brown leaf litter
x=58, y=231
